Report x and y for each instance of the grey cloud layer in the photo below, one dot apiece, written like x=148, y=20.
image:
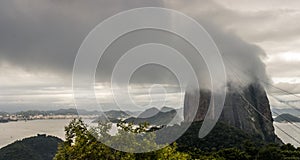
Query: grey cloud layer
x=45, y=35
x=273, y=25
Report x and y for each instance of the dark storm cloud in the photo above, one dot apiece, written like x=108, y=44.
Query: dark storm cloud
x=39, y=40
x=45, y=35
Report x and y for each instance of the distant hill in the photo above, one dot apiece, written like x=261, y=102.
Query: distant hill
x=105, y=119
x=148, y=113
x=73, y=111
x=286, y=117
x=40, y=147
x=152, y=115
x=116, y=114
x=166, y=109
x=161, y=118
x=293, y=111
x=133, y=113
x=113, y=116
x=153, y=111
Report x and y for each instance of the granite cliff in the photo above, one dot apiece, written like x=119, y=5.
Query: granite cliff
x=245, y=108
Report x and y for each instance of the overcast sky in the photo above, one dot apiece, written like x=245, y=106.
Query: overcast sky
x=39, y=40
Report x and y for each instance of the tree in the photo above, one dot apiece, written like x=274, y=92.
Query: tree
x=82, y=143
x=233, y=154
x=270, y=152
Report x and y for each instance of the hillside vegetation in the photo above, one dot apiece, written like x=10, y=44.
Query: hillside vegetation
x=223, y=143
x=40, y=147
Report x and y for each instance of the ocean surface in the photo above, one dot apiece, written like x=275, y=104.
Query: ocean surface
x=288, y=133
x=12, y=131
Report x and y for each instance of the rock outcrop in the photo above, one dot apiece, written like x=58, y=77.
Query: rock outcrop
x=247, y=109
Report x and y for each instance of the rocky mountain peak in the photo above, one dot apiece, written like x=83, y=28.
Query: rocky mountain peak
x=245, y=108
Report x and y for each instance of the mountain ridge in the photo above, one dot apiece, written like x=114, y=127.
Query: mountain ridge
x=285, y=117
x=246, y=108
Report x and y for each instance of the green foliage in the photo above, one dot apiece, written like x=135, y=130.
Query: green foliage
x=275, y=151
x=270, y=152
x=233, y=154
x=226, y=142
x=82, y=143
x=222, y=136
x=33, y=148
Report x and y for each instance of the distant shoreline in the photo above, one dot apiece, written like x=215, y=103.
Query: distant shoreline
x=56, y=117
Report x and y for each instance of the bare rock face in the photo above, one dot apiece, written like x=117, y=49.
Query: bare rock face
x=247, y=109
